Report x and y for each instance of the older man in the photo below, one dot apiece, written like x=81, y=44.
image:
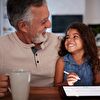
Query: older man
x=30, y=47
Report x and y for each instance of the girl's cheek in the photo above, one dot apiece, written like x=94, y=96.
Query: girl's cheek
x=65, y=44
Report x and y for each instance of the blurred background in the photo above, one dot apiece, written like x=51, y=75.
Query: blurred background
x=62, y=13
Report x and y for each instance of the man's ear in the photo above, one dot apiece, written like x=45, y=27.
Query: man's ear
x=23, y=26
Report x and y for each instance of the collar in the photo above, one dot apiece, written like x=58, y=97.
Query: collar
x=15, y=39
x=44, y=45
x=68, y=58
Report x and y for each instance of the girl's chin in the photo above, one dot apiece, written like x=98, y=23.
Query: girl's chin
x=71, y=51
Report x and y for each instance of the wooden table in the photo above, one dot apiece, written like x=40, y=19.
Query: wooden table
x=44, y=93
x=40, y=93
x=50, y=93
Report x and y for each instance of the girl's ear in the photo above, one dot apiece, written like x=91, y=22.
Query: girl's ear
x=22, y=26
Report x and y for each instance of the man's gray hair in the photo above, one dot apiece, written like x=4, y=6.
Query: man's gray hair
x=21, y=10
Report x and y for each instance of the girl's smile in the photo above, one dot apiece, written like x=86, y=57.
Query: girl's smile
x=73, y=41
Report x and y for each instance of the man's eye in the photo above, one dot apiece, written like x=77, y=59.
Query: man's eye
x=43, y=22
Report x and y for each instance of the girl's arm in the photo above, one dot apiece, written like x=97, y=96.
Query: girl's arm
x=97, y=78
x=59, y=72
x=59, y=75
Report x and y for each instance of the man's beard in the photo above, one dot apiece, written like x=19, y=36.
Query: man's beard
x=40, y=38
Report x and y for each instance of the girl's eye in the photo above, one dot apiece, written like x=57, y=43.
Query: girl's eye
x=67, y=37
x=76, y=36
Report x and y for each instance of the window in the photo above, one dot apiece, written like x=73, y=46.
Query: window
x=60, y=22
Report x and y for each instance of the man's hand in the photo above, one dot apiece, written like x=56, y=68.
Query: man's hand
x=3, y=85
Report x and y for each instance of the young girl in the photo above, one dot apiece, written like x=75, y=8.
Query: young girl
x=78, y=62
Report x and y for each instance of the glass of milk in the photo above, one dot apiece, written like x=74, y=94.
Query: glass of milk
x=20, y=84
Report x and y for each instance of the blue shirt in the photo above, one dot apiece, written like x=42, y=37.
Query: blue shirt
x=84, y=71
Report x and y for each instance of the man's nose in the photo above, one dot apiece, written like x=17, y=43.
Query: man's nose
x=48, y=24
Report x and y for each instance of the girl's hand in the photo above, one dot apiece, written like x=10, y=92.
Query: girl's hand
x=72, y=78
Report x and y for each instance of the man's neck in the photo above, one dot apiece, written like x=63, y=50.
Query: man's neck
x=38, y=45
x=23, y=37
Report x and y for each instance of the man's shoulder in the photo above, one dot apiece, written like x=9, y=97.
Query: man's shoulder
x=4, y=39
x=4, y=36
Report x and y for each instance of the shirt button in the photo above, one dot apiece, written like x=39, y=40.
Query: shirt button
x=36, y=54
x=37, y=61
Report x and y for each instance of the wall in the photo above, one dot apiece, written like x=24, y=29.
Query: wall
x=92, y=12
x=1, y=16
x=88, y=8
x=66, y=7
x=5, y=27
